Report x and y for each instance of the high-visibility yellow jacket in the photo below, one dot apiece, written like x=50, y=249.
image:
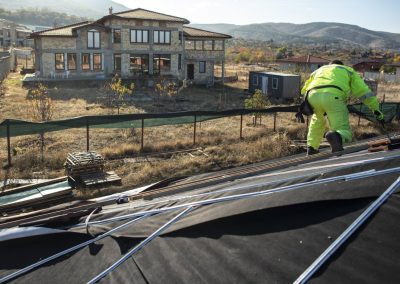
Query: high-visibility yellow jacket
x=344, y=77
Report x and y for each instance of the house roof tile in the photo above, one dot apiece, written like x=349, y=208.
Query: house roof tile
x=192, y=32
x=144, y=14
x=60, y=31
x=305, y=59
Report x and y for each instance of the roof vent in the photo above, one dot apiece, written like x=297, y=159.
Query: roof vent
x=110, y=10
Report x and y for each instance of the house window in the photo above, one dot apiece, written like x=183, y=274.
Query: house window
x=189, y=44
x=139, y=36
x=199, y=45
x=218, y=45
x=85, y=61
x=255, y=80
x=202, y=67
x=71, y=61
x=117, y=61
x=139, y=63
x=97, y=63
x=179, y=61
x=208, y=45
x=116, y=36
x=162, y=37
x=60, y=63
x=93, y=39
x=275, y=83
x=180, y=38
x=161, y=63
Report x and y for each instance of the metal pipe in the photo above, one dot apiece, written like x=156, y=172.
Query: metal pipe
x=309, y=272
x=246, y=195
x=64, y=252
x=141, y=245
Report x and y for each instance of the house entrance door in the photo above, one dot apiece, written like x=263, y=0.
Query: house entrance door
x=190, y=71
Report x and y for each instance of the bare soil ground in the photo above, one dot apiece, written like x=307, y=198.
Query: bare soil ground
x=218, y=140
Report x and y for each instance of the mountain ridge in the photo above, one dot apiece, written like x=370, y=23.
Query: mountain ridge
x=316, y=32
x=88, y=8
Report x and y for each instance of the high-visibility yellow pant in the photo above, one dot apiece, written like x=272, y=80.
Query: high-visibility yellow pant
x=337, y=115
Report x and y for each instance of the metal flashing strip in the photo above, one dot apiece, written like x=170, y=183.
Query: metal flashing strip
x=309, y=272
x=141, y=245
x=230, y=189
x=355, y=176
x=64, y=252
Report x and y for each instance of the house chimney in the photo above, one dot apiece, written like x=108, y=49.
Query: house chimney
x=110, y=10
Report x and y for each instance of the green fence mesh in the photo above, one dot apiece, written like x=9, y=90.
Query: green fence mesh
x=13, y=127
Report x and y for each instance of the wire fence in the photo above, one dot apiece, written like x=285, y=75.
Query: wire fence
x=13, y=128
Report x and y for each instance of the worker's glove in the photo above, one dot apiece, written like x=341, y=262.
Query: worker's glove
x=379, y=117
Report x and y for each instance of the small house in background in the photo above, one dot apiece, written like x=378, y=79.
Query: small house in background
x=277, y=86
x=307, y=63
x=368, y=65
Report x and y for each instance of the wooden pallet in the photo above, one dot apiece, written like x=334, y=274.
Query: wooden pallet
x=100, y=178
x=79, y=163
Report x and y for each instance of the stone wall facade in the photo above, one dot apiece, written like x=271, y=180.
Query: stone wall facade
x=46, y=47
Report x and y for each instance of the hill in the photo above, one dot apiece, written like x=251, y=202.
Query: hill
x=318, y=32
x=83, y=8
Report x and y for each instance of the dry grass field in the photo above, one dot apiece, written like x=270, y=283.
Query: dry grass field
x=168, y=150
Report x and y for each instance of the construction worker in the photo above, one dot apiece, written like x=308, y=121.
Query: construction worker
x=328, y=89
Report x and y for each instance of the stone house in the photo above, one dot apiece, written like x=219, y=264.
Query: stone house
x=134, y=43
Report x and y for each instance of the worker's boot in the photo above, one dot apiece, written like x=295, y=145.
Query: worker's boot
x=311, y=151
x=335, y=140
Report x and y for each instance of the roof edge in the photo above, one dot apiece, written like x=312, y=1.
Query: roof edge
x=37, y=34
x=117, y=15
x=222, y=35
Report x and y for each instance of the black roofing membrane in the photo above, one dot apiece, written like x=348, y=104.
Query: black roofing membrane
x=265, y=239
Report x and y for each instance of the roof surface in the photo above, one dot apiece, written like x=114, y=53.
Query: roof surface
x=305, y=59
x=60, y=31
x=265, y=238
x=144, y=14
x=193, y=32
x=275, y=73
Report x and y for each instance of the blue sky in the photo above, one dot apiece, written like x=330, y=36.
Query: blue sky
x=378, y=15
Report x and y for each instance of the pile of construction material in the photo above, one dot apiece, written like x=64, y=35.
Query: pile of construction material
x=385, y=144
x=87, y=168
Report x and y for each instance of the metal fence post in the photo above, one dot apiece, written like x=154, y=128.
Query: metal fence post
x=87, y=135
x=275, y=115
x=141, y=140
x=359, y=115
x=8, y=144
x=241, y=126
x=194, y=130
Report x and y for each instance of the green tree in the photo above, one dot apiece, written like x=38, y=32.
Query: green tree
x=257, y=101
x=281, y=52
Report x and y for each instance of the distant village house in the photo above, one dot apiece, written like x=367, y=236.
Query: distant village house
x=305, y=63
x=12, y=34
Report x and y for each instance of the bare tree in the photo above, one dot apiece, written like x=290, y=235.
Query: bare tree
x=42, y=109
